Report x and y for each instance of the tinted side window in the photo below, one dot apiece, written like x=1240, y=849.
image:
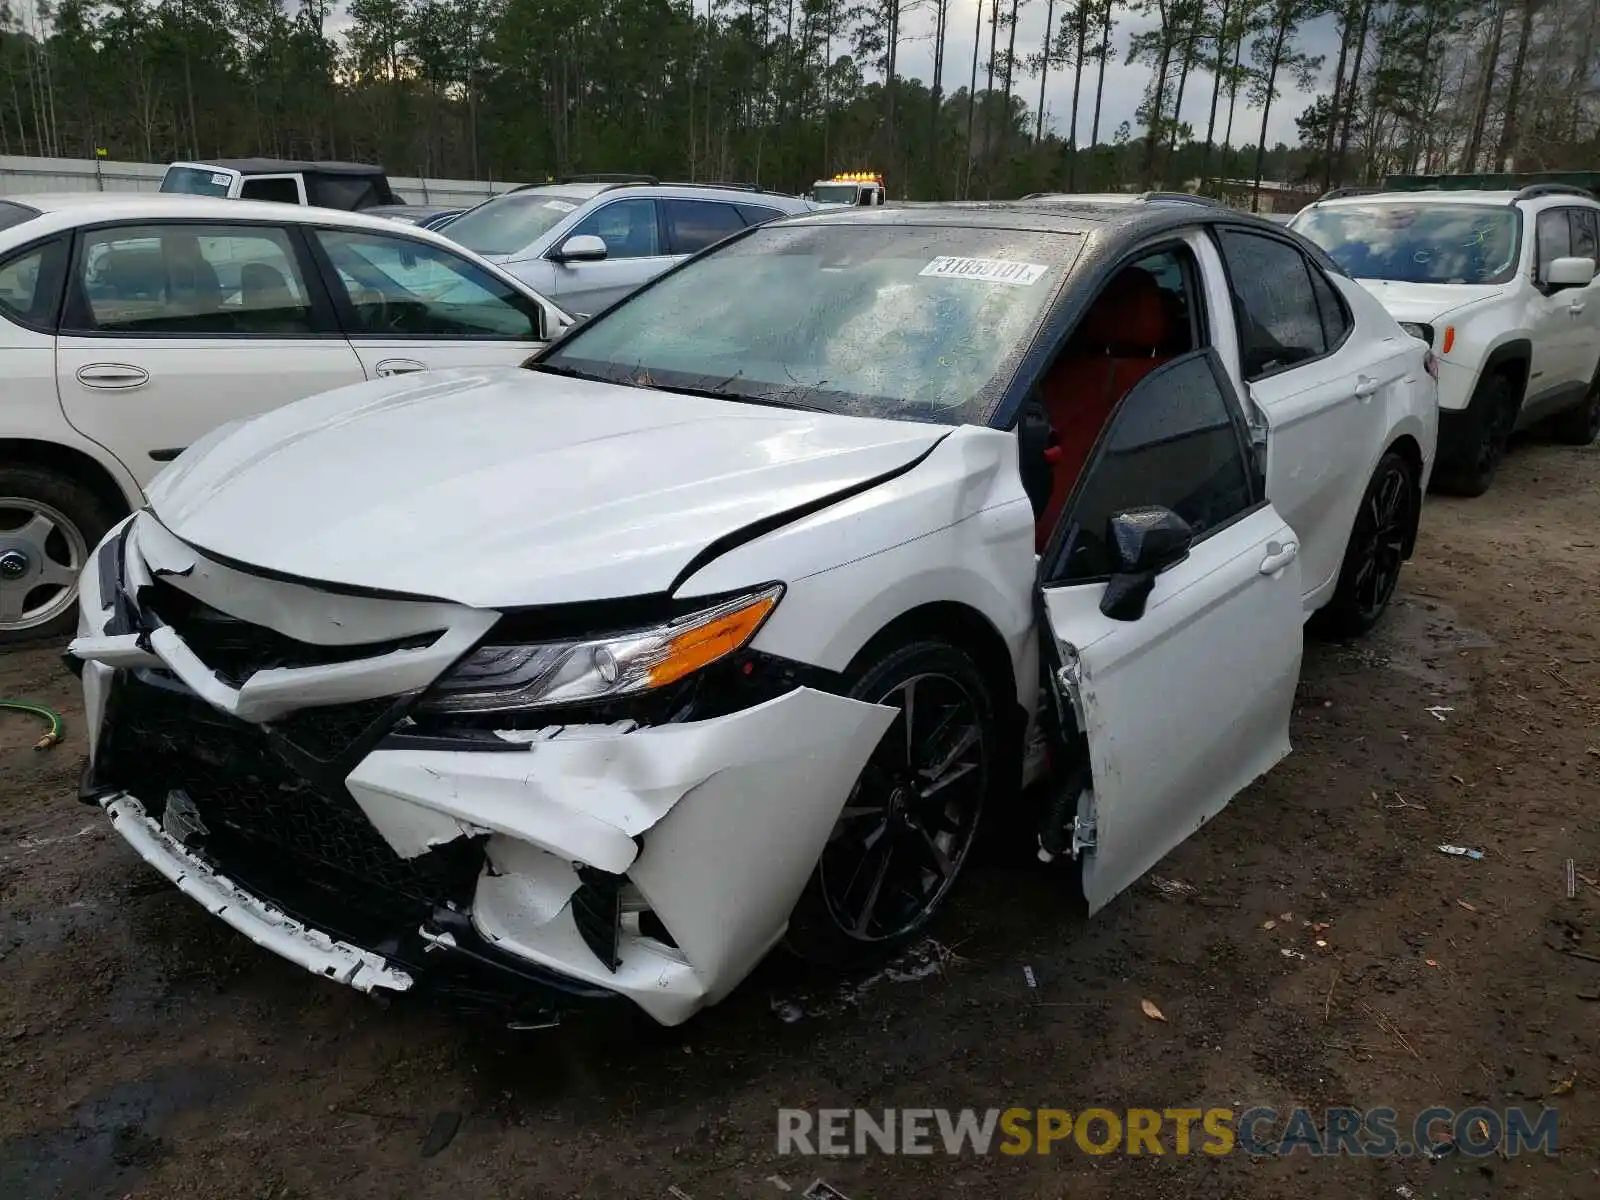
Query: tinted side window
x=399, y=287
x=692, y=225
x=627, y=227
x=1584, y=241
x=192, y=279
x=1554, y=237
x=1173, y=442
x=1335, y=319
x=756, y=214
x=283, y=191
x=30, y=285
x=1279, y=322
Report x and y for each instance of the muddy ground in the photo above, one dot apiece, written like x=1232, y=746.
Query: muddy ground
x=145, y=1050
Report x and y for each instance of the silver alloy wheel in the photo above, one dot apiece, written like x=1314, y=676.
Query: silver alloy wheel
x=42, y=553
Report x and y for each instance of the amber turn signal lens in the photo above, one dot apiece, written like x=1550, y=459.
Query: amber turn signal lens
x=704, y=644
x=1449, y=338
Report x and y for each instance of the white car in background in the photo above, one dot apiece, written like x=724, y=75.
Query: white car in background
x=1502, y=286
x=727, y=621
x=132, y=325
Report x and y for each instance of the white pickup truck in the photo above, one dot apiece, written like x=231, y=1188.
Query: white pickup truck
x=1501, y=284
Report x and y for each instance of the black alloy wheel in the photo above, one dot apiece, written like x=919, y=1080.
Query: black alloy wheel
x=1376, y=550
x=909, y=823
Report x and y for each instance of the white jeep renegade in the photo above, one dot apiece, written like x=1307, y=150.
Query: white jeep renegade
x=1502, y=286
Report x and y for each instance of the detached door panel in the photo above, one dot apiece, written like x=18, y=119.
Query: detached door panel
x=1184, y=707
x=412, y=306
x=174, y=329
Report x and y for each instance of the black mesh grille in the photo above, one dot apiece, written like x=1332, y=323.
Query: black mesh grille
x=266, y=819
x=236, y=649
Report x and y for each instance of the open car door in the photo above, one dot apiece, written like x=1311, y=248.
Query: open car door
x=1171, y=595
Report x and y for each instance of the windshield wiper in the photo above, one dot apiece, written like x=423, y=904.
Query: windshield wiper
x=568, y=372
x=737, y=397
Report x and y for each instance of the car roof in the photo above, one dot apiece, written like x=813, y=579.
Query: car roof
x=731, y=193
x=273, y=166
x=1086, y=215
x=1431, y=196
x=65, y=210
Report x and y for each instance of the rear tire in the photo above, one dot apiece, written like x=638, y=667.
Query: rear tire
x=1580, y=426
x=908, y=826
x=1373, y=557
x=49, y=525
x=1489, y=417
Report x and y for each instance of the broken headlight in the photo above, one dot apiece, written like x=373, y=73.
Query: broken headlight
x=502, y=678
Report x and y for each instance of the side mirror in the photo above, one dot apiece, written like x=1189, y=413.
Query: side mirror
x=1143, y=543
x=583, y=248
x=1569, y=273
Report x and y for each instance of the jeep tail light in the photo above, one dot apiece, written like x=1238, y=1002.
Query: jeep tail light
x=1430, y=363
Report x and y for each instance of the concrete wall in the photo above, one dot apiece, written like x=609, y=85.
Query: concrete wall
x=19, y=176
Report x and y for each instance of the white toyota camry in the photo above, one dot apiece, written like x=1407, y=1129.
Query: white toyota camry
x=725, y=622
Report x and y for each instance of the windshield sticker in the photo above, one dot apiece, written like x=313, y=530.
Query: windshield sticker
x=220, y=180
x=560, y=205
x=986, y=270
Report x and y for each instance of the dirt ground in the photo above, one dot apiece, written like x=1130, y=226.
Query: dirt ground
x=147, y=1051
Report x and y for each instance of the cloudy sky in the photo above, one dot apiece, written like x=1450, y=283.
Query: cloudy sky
x=1124, y=84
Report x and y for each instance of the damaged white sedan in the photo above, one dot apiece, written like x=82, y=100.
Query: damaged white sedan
x=725, y=622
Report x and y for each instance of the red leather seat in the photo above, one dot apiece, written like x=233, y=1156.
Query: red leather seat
x=1121, y=340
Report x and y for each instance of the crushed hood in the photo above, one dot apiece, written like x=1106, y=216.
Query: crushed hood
x=1425, y=303
x=505, y=487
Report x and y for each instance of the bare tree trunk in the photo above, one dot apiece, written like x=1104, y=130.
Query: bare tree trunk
x=941, y=29
x=1491, y=60
x=1158, y=104
x=1352, y=91
x=1044, y=68
x=972, y=96
x=1100, y=82
x=988, y=87
x=1077, y=87
x=1508, y=124
x=1333, y=104
x=1266, y=112
x=1183, y=83
x=1005, y=111
x=1216, y=87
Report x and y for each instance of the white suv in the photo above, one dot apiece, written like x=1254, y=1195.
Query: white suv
x=1502, y=286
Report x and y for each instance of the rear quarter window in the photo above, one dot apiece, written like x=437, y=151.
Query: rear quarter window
x=12, y=213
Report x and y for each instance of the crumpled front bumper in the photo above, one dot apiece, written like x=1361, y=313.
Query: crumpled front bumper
x=695, y=838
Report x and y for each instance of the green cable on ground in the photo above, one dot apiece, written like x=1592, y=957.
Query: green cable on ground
x=57, y=726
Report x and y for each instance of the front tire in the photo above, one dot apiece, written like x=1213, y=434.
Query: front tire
x=1372, y=559
x=908, y=826
x=49, y=524
x=1490, y=416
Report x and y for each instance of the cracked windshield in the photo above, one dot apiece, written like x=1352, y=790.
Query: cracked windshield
x=1414, y=243
x=908, y=322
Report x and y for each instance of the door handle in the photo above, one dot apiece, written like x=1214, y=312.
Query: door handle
x=112, y=376
x=399, y=366
x=1575, y=307
x=1366, y=387
x=1279, y=556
